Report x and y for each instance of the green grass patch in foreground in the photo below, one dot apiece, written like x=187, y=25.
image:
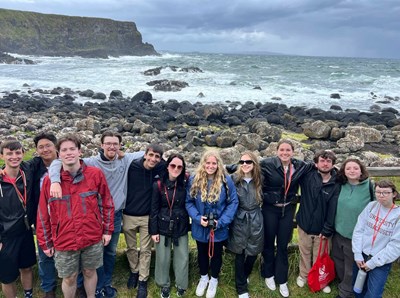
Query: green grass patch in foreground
x=226, y=287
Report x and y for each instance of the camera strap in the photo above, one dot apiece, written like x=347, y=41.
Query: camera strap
x=211, y=244
x=170, y=202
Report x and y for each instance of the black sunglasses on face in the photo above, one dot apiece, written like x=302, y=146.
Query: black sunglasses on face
x=247, y=162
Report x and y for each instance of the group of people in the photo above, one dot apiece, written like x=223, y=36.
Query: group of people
x=77, y=207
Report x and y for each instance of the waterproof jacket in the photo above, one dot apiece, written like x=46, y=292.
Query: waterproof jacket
x=83, y=214
x=274, y=180
x=140, y=187
x=247, y=229
x=318, y=203
x=12, y=212
x=168, y=216
x=223, y=210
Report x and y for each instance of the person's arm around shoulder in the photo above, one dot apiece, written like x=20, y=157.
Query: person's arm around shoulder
x=55, y=178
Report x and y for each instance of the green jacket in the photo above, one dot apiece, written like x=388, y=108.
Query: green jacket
x=352, y=200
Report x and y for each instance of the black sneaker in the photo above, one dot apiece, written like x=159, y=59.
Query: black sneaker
x=110, y=292
x=180, y=292
x=165, y=292
x=142, y=289
x=132, y=280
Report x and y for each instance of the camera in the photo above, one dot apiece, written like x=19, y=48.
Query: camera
x=211, y=221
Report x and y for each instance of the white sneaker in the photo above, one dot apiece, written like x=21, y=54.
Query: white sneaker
x=202, y=286
x=283, y=289
x=244, y=295
x=270, y=282
x=327, y=289
x=212, y=288
x=300, y=281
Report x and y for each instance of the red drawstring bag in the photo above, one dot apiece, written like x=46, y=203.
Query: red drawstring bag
x=323, y=270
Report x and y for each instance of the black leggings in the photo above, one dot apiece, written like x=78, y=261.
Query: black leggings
x=204, y=261
x=243, y=267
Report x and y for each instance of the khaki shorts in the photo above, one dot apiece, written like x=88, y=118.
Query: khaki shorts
x=72, y=261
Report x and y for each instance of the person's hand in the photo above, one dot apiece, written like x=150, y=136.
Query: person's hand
x=204, y=221
x=49, y=252
x=156, y=238
x=2, y=172
x=55, y=190
x=106, y=239
x=360, y=264
x=121, y=154
x=365, y=267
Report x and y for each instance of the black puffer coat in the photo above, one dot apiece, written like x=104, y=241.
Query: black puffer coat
x=247, y=229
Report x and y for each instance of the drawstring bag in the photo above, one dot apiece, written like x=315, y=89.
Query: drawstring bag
x=323, y=270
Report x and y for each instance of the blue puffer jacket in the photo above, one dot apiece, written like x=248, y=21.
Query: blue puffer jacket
x=224, y=211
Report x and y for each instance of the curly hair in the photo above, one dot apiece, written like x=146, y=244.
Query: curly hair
x=200, y=182
x=341, y=177
x=255, y=175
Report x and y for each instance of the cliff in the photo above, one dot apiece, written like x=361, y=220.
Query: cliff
x=31, y=33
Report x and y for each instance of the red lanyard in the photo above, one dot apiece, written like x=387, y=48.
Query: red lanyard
x=21, y=197
x=170, y=204
x=287, y=181
x=376, y=229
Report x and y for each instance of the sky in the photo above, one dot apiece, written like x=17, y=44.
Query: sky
x=346, y=28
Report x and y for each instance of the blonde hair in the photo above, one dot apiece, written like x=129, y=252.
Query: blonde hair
x=255, y=175
x=200, y=181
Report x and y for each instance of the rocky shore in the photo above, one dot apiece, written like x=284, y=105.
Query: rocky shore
x=190, y=128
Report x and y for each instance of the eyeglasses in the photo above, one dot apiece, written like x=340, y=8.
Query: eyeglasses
x=247, y=162
x=174, y=166
x=383, y=193
x=111, y=144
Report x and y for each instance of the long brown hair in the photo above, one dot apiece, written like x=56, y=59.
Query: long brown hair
x=341, y=178
x=255, y=175
x=200, y=181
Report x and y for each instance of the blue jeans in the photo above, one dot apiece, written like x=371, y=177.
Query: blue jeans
x=47, y=272
x=105, y=272
x=375, y=282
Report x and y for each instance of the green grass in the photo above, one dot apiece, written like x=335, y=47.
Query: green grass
x=226, y=287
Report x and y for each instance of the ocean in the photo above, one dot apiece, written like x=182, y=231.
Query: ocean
x=295, y=80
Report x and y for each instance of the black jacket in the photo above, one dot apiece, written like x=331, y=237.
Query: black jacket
x=161, y=214
x=274, y=182
x=12, y=212
x=140, y=187
x=318, y=202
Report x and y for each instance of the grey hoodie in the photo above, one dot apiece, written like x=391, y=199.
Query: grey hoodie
x=116, y=172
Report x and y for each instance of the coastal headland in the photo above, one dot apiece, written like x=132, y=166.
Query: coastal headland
x=190, y=128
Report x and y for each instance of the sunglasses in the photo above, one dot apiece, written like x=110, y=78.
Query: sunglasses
x=247, y=162
x=173, y=166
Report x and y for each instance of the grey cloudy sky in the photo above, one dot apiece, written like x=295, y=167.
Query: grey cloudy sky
x=358, y=28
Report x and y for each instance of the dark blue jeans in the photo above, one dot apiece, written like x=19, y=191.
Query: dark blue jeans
x=375, y=282
x=105, y=272
x=47, y=272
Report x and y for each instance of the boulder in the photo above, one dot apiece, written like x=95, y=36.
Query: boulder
x=366, y=134
x=350, y=143
x=99, y=95
x=250, y=141
x=86, y=93
x=143, y=96
x=316, y=130
x=229, y=155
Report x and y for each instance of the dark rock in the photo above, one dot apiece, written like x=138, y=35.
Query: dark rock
x=86, y=93
x=191, y=69
x=257, y=88
x=167, y=85
x=153, y=71
x=201, y=95
x=116, y=94
x=335, y=95
x=143, y=96
x=99, y=95
x=336, y=107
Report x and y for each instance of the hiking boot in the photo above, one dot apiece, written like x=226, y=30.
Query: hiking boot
x=132, y=280
x=80, y=292
x=110, y=292
x=180, y=292
x=202, y=286
x=142, y=289
x=165, y=292
x=212, y=288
